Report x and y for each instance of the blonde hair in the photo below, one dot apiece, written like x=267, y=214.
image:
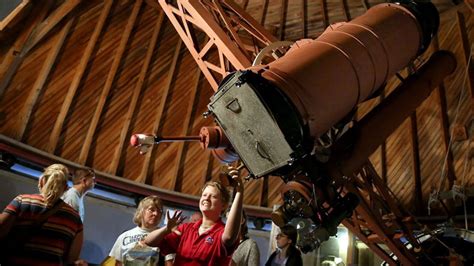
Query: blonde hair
x=143, y=205
x=224, y=192
x=54, y=180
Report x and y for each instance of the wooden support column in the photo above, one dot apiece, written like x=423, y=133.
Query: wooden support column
x=108, y=83
x=132, y=107
x=79, y=73
x=144, y=177
x=41, y=80
x=418, y=195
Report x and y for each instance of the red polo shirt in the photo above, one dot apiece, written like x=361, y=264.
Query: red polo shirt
x=194, y=249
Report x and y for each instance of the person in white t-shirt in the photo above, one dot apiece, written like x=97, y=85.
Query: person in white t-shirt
x=128, y=248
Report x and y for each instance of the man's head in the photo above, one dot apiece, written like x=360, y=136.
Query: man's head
x=84, y=179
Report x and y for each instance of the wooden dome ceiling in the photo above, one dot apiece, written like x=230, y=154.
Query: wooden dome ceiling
x=77, y=78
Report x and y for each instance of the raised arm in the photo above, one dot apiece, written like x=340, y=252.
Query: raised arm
x=154, y=238
x=232, y=226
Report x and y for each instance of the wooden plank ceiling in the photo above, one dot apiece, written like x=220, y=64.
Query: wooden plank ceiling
x=77, y=78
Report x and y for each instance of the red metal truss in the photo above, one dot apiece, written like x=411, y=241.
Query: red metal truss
x=379, y=219
x=235, y=35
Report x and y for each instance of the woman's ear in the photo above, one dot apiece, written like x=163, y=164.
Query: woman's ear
x=41, y=183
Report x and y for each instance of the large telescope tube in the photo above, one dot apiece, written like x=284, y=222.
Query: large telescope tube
x=327, y=77
x=272, y=113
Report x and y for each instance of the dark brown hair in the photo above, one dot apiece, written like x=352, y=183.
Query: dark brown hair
x=80, y=173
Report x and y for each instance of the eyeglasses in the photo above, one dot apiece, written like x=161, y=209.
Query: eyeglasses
x=152, y=210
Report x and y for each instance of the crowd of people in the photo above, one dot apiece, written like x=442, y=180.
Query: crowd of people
x=47, y=228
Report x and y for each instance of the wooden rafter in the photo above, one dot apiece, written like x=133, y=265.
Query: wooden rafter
x=153, y=4
x=143, y=177
x=208, y=170
x=49, y=23
x=133, y=105
x=383, y=150
x=12, y=18
x=365, y=4
x=468, y=56
x=187, y=126
x=345, y=8
x=245, y=4
x=283, y=11
x=418, y=195
x=36, y=36
x=324, y=12
x=41, y=80
x=108, y=83
x=15, y=55
x=79, y=73
x=383, y=161
x=304, y=18
x=263, y=12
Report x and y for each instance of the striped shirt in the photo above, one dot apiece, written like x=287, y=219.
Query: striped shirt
x=51, y=242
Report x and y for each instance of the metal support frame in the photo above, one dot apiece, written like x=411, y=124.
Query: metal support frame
x=235, y=34
x=379, y=219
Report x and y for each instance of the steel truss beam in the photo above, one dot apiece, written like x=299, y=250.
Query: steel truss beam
x=235, y=35
x=379, y=219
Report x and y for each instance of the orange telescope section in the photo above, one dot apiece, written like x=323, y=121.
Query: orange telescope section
x=327, y=77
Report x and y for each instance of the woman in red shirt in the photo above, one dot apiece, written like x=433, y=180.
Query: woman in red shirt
x=208, y=241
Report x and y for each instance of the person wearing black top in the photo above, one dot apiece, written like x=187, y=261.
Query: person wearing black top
x=286, y=254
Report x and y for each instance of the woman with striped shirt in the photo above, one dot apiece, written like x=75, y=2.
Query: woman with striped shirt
x=40, y=229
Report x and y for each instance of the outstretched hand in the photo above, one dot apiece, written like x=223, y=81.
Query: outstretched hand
x=174, y=220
